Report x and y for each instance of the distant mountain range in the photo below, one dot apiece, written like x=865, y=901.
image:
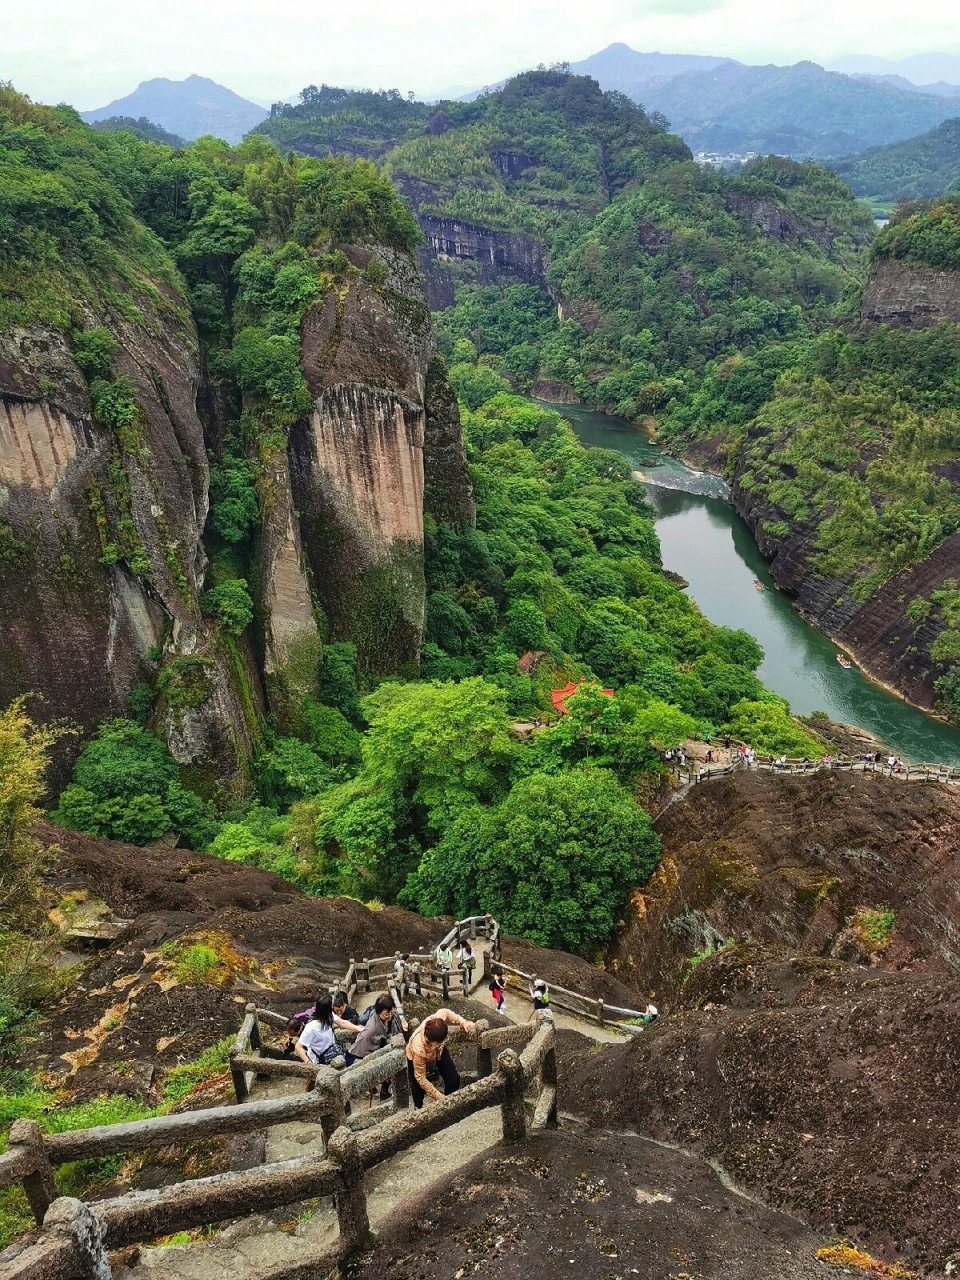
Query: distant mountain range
x=188, y=108
x=921, y=69
x=719, y=105
x=625, y=69
x=925, y=166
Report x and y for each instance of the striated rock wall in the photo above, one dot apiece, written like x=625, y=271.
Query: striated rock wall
x=492, y=257
x=908, y=296
x=382, y=443
x=102, y=552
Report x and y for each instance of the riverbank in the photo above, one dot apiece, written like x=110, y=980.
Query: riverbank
x=705, y=540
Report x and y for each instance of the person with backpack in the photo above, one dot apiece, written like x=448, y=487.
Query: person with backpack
x=317, y=1044
x=428, y=1055
x=498, y=989
x=444, y=958
x=539, y=995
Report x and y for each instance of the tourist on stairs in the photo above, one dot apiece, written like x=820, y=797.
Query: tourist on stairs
x=427, y=1054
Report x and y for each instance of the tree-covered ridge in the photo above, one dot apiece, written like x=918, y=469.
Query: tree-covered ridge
x=926, y=235
x=88, y=217
x=69, y=239
x=852, y=442
x=656, y=265
x=666, y=278
x=141, y=128
x=916, y=168
x=529, y=156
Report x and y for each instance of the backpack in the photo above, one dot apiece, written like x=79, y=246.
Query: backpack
x=493, y=985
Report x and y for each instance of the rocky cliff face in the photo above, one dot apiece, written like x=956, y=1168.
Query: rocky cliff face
x=102, y=538
x=492, y=257
x=809, y=1057
x=383, y=440
x=908, y=296
x=888, y=645
x=776, y=221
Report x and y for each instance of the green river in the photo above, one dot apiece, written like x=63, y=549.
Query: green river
x=703, y=539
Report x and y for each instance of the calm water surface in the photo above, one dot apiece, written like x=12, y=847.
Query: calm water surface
x=704, y=539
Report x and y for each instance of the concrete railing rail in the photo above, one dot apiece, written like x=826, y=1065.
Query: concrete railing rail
x=76, y=1236
x=691, y=776
x=591, y=1010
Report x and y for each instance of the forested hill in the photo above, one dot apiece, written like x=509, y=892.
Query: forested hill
x=925, y=166
x=626, y=266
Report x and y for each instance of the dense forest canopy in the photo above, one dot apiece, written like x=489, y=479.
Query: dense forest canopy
x=925, y=166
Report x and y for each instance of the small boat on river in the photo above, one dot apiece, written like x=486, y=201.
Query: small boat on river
x=844, y=662
x=758, y=584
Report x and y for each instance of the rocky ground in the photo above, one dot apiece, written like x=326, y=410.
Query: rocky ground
x=592, y=1205
x=788, y=862
x=279, y=947
x=816, y=1059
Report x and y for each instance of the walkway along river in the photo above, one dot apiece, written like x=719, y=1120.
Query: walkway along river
x=703, y=539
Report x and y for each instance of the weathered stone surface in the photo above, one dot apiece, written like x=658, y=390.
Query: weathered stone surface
x=357, y=467
x=74, y=627
x=494, y=257
x=908, y=296
x=447, y=491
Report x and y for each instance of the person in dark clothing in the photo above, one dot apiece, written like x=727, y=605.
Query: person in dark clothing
x=344, y=1010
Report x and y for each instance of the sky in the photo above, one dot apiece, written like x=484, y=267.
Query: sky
x=88, y=54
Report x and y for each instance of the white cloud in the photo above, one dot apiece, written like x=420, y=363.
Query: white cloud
x=58, y=50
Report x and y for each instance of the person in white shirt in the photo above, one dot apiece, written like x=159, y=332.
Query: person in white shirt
x=317, y=1044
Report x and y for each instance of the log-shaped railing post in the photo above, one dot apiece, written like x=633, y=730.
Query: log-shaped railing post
x=256, y=1041
x=487, y=964
x=600, y=1012
x=366, y=972
x=239, y=1077
x=445, y=983
x=548, y=1074
x=351, y=1199
x=401, y=1089
x=77, y=1221
x=39, y=1185
x=512, y=1107
x=484, y=1062
x=334, y=1113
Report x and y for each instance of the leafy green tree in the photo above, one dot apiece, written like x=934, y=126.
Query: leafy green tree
x=770, y=729
x=230, y=603
x=234, y=510
x=555, y=861
x=126, y=786
x=337, y=681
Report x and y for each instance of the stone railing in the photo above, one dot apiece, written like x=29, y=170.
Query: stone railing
x=246, y=1057
x=629, y=1021
x=75, y=1236
x=691, y=775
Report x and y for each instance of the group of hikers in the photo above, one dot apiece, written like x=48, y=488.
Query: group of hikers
x=311, y=1034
